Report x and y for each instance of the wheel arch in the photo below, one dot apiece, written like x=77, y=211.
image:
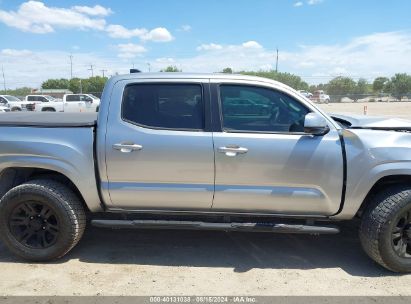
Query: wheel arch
x=51, y=109
x=14, y=176
x=380, y=185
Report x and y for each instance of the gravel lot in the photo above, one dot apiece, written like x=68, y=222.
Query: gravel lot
x=145, y=262
x=132, y=262
x=393, y=109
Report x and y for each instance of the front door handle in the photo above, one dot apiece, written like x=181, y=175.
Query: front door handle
x=127, y=148
x=232, y=150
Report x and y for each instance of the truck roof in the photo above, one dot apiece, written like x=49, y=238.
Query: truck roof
x=181, y=75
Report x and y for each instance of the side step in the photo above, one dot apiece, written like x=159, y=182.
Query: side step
x=194, y=225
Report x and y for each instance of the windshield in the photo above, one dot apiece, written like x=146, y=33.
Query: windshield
x=51, y=98
x=11, y=98
x=93, y=96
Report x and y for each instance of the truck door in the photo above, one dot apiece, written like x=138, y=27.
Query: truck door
x=159, y=152
x=264, y=161
x=73, y=103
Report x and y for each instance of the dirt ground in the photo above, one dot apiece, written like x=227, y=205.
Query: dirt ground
x=160, y=262
x=145, y=262
x=393, y=109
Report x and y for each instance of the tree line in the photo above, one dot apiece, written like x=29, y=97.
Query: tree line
x=398, y=86
x=77, y=85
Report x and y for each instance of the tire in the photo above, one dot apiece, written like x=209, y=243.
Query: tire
x=385, y=223
x=15, y=109
x=41, y=205
x=48, y=110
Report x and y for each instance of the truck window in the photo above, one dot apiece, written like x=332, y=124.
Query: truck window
x=72, y=98
x=258, y=109
x=166, y=106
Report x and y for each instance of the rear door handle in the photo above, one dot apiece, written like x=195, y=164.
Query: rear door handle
x=127, y=148
x=232, y=150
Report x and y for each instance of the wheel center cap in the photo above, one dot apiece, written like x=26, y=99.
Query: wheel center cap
x=36, y=224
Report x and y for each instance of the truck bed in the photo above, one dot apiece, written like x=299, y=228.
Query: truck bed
x=48, y=119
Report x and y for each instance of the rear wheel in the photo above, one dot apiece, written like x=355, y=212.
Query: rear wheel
x=15, y=109
x=49, y=110
x=385, y=230
x=41, y=220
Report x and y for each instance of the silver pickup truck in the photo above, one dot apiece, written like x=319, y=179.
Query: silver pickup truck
x=203, y=151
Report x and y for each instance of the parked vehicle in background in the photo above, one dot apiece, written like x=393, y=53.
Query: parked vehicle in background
x=69, y=103
x=4, y=109
x=45, y=103
x=15, y=104
x=80, y=103
x=164, y=153
x=320, y=97
x=305, y=93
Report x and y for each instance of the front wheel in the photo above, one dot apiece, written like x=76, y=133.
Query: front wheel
x=385, y=230
x=41, y=220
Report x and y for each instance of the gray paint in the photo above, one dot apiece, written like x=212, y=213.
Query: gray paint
x=284, y=174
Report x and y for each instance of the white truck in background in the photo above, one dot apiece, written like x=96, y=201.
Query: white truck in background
x=69, y=103
x=45, y=103
x=80, y=103
x=15, y=104
x=319, y=96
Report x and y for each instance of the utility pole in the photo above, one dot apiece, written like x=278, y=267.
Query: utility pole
x=276, y=63
x=4, y=80
x=149, y=67
x=81, y=87
x=92, y=70
x=103, y=71
x=71, y=66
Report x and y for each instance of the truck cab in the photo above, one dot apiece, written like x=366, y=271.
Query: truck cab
x=81, y=103
x=45, y=103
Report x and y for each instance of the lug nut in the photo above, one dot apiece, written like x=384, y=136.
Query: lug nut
x=31, y=217
x=44, y=228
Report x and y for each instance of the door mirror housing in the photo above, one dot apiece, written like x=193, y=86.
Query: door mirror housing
x=315, y=124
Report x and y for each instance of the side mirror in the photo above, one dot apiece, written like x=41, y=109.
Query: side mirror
x=315, y=124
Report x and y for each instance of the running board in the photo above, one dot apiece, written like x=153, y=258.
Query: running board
x=194, y=225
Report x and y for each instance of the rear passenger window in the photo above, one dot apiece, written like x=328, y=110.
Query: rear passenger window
x=166, y=106
x=71, y=98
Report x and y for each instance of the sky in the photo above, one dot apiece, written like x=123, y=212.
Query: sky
x=316, y=39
